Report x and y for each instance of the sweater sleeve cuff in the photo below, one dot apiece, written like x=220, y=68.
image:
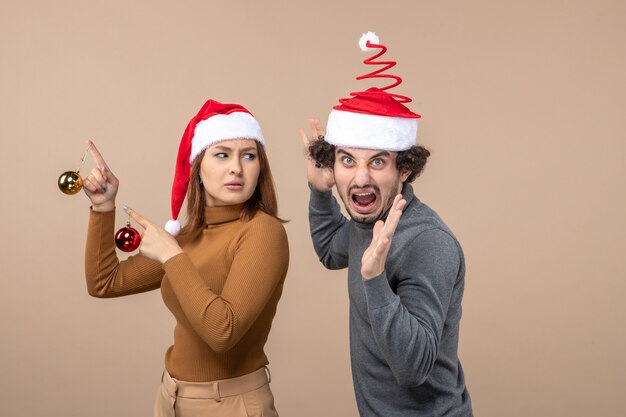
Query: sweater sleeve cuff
x=101, y=214
x=378, y=292
x=183, y=273
x=178, y=264
x=185, y=281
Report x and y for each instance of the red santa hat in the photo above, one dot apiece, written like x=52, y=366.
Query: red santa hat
x=374, y=118
x=214, y=122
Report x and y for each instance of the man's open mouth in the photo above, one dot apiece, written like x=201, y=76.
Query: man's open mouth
x=364, y=202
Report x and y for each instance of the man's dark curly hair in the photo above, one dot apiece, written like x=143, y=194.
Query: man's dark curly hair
x=413, y=159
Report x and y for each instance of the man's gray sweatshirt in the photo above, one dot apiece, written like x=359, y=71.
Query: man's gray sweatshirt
x=404, y=324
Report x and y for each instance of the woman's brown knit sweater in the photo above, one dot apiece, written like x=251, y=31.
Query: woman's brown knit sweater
x=222, y=290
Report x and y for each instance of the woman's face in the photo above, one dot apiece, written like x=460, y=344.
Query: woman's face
x=229, y=172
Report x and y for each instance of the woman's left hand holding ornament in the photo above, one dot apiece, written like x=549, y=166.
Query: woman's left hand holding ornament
x=156, y=243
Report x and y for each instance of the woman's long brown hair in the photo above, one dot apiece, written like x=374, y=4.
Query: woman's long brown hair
x=263, y=198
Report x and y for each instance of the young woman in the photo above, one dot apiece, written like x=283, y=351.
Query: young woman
x=221, y=276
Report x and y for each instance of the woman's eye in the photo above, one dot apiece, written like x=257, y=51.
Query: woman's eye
x=250, y=156
x=221, y=155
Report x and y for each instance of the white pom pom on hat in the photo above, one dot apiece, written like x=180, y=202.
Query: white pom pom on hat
x=172, y=227
x=374, y=118
x=214, y=122
x=369, y=36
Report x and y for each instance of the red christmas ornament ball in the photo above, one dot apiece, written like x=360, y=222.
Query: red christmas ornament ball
x=127, y=239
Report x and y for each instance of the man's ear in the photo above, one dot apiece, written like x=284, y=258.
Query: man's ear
x=405, y=174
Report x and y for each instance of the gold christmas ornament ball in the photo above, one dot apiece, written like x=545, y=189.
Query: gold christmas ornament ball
x=70, y=182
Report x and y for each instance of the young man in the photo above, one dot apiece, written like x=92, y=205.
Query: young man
x=405, y=267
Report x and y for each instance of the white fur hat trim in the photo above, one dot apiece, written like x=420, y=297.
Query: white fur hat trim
x=369, y=131
x=237, y=125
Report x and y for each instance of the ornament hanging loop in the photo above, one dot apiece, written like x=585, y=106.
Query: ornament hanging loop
x=82, y=160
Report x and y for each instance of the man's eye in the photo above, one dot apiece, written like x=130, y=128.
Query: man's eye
x=347, y=160
x=378, y=162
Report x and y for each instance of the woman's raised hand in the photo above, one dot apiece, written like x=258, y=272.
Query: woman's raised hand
x=100, y=185
x=321, y=178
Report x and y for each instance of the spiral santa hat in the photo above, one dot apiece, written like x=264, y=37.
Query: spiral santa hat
x=374, y=118
x=214, y=122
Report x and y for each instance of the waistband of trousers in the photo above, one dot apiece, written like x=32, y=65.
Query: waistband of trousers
x=216, y=389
